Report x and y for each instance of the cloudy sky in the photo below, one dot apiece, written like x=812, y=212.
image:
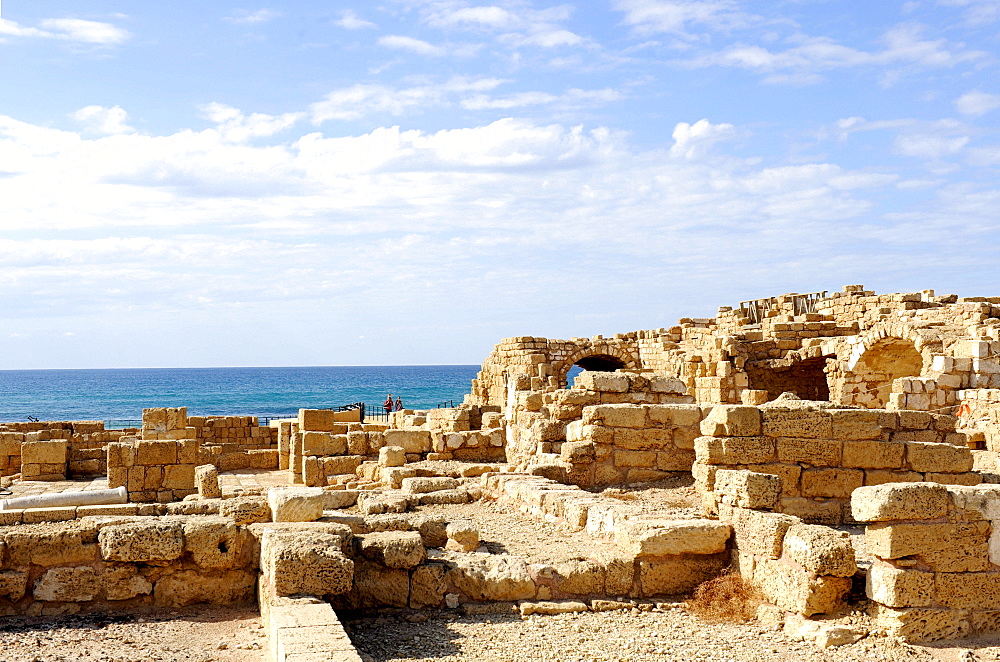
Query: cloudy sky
x=407, y=181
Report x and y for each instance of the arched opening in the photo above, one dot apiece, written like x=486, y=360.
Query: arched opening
x=806, y=379
x=886, y=360
x=594, y=363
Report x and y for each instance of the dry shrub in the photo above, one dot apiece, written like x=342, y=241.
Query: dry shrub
x=726, y=598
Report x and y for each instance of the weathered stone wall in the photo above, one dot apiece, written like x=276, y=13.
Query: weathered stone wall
x=937, y=566
x=84, y=448
x=823, y=455
x=802, y=568
x=619, y=444
x=114, y=563
x=243, y=431
x=322, y=446
x=153, y=470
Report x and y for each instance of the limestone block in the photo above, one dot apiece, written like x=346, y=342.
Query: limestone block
x=923, y=624
x=874, y=454
x=187, y=587
x=963, y=479
x=578, y=452
x=688, y=416
x=820, y=550
x=179, y=477
x=317, y=420
x=392, y=456
x=305, y=562
x=856, y=424
x=943, y=546
x=149, y=453
x=753, y=397
x=428, y=585
x=153, y=542
x=968, y=590
x=813, y=511
x=831, y=482
x=377, y=586
x=72, y=584
x=295, y=504
x=747, y=489
x=424, y=485
x=603, y=382
x=337, y=499
x=393, y=476
x=882, y=476
x=60, y=544
x=342, y=464
x=317, y=443
x=13, y=584
x=460, y=495
x=393, y=549
x=245, y=510
x=580, y=577
x=791, y=589
x=658, y=537
x=357, y=443
x=217, y=542
x=44, y=452
x=124, y=583
x=616, y=416
x=492, y=577
x=759, y=533
x=411, y=441
x=732, y=421
x=899, y=587
x=551, y=608
x=817, y=452
x=798, y=423
x=676, y=460
x=915, y=420
x=462, y=535
x=675, y=575
x=899, y=501
x=643, y=459
x=206, y=478
x=943, y=458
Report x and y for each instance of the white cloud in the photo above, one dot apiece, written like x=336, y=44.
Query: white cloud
x=359, y=100
x=929, y=146
x=904, y=47
x=418, y=46
x=678, y=17
x=234, y=126
x=483, y=16
x=99, y=119
x=691, y=140
x=977, y=12
x=349, y=20
x=977, y=103
x=571, y=98
x=246, y=16
x=69, y=29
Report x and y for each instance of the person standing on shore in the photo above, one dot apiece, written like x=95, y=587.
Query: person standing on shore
x=387, y=405
x=399, y=404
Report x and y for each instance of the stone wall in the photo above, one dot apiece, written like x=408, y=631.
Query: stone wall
x=618, y=444
x=84, y=448
x=802, y=568
x=322, y=446
x=243, y=431
x=822, y=455
x=153, y=470
x=936, y=571
x=114, y=563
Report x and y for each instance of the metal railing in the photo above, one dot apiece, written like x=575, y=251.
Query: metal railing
x=447, y=404
x=757, y=309
x=122, y=423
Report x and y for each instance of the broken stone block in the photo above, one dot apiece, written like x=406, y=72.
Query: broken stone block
x=153, y=542
x=392, y=456
x=295, y=504
x=394, y=549
x=656, y=537
x=821, y=550
x=206, y=480
x=216, y=542
x=424, y=485
x=899, y=501
x=747, y=489
x=246, y=509
x=463, y=536
x=732, y=421
x=492, y=577
x=305, y=562
x=548, y=608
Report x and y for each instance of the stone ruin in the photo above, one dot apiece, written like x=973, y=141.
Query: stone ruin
x=804, y=421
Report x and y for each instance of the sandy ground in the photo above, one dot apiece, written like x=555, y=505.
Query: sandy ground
x=665, y=635
x=194, y=634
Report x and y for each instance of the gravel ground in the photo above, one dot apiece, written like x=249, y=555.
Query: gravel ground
x=196, y=634
x=619, y=636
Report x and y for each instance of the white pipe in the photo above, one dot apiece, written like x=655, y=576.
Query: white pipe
x=87, y=498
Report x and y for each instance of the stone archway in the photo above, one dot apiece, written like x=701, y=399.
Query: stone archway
x=805, y=378
x=605, y=358
x=869, y=382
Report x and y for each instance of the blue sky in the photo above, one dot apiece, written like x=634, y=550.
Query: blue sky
x=405, y=182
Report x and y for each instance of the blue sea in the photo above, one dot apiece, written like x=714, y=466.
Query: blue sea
x=116, y=394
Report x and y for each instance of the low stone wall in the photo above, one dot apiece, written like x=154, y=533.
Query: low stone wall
x=83, y=457
x=114, y=563
x=802, y=568
x=937, y=567
x=617, y=444
x=324, y=446
x=153, y=470
x=823, y=455
x=243, y=431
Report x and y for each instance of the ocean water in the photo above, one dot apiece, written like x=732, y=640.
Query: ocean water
x=114, y=394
